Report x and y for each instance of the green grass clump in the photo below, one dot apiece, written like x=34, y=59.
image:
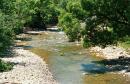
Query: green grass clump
x=126, y=43
x=5, y=66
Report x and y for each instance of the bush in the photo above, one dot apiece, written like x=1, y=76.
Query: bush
x=6, y=33
x=70, y=25
x=5, y=66
x=76, y=9
x=6, y=38
x=100, y=38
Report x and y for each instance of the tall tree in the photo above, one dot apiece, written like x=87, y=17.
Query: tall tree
x=13, y=14
x=45, y=13
x=107, y=22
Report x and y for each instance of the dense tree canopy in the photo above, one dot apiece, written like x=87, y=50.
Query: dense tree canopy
x=71, y=15
x=107, y=20
x=45, y=12
x=70, y=25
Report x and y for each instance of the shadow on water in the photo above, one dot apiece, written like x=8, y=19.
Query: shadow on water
x=68, y=62
x=104, y=66
x=104, y=71
x=93, y=68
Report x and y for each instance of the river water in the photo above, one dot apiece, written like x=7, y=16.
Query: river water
x=70, y=63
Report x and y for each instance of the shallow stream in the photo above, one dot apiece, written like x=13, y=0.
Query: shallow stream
x=70, y=63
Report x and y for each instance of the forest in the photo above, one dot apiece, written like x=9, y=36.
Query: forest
x=106, y=21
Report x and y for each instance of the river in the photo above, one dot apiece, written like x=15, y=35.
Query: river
x=70, y=63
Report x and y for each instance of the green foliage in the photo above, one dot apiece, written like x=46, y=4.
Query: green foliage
x=70, y=25
x=107, y=20
x=71, y=15
x=6, y=38
x=13, y=15
x=5, y=66
x=6, y=33
x=51, y=14
x=76, y=9
x=44, y=12
x=63, y=4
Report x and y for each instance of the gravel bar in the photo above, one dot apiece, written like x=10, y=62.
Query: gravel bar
x=28, y=69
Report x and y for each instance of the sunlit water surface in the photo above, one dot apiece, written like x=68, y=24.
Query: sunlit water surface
x=69, y=62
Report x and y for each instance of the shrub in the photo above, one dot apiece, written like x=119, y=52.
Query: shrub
x=5, y=66
x=70, y=25
x=6, y=33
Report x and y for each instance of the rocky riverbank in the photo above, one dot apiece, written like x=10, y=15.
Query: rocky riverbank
x=28, y=69
x=116, y=55
x=110, y=52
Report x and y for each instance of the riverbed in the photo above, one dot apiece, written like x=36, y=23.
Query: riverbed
x=70, y=63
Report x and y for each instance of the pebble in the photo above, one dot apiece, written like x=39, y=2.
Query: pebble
x=110, y=52
x=29, y=69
